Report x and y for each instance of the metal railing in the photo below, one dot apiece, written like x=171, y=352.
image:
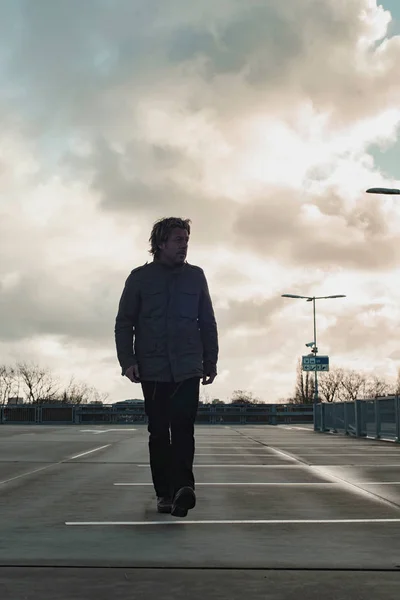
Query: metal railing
x=230, y=414
x=377, y=418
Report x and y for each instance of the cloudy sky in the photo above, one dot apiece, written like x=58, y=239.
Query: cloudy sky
x=262, y=121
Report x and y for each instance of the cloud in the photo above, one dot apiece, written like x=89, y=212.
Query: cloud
x=249, y=315
x=368, y=327
x=34, y=305
x=321, y=233
x=88, y=62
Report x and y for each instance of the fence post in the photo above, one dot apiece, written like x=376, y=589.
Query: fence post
x=397, y=417
x=38, y=413
x=273, y=414
x=315, y=415
x=358, y=415
x=323, y=408
x=345, y=419
x=335, y=410
x=377, y=419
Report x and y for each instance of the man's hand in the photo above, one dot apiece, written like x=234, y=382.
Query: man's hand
x=132, y=373
x=208, y=377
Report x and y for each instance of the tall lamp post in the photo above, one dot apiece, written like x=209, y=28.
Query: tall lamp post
x=378, y=190
x=314, y=349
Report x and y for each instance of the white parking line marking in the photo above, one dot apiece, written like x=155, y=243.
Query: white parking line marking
x=293, y=427
x=282, y=454
x=377, y=482
x=351, y=466
x=49, y=466
x=231, y=454
x=229, y=466
x=349, y=485
x=28, y=473
x=250, y=484
x=345, y=454
x=98, y=431
x=384, y=439
x=230, y=522
x=225, y=446
x=89, y=452
x=359, y=444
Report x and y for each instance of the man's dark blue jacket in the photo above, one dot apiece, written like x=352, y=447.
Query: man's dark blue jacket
x=166, y=323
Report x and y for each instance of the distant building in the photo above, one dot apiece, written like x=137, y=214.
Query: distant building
x=15, y=400
x=127, y=403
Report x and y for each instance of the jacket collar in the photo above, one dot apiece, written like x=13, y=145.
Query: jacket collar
x=159, y=263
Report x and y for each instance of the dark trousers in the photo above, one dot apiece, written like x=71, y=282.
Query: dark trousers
x=171, y=409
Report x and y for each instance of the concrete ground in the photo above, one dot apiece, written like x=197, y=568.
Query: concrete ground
x=278, y=508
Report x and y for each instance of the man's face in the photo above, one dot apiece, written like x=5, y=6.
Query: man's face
x=174, y=251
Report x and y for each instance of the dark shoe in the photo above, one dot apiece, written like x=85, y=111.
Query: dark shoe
x=164, y=505
x=184, y=500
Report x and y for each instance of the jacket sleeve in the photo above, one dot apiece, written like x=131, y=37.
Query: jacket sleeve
x=208, y=328
x=125, y=323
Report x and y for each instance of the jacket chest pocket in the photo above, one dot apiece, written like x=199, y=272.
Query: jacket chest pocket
x=188, y=304
x=153, y=302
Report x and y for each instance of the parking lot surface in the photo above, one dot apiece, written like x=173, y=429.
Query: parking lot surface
x=277, y=507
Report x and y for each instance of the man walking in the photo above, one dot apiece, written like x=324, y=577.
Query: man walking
x=166, y=338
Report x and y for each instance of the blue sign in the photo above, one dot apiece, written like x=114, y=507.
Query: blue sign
x=315, y=363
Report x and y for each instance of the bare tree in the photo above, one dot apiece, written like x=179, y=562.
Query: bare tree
x=376, y=387
x=75, y=393
x=395, y=389
x=204, y=396
x=305, y=386
x=341, y=385
x=353, y=386
x=329, y=384
x=96, y=397
x=80, y=393
x=39, y=383
x=10, y=383
x=288, y=400
x=243, y=397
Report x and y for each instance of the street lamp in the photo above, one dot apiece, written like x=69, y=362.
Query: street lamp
x=314, y=349
x=379, y=190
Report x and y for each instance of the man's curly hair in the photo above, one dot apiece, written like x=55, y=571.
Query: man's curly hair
x=162, y=229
